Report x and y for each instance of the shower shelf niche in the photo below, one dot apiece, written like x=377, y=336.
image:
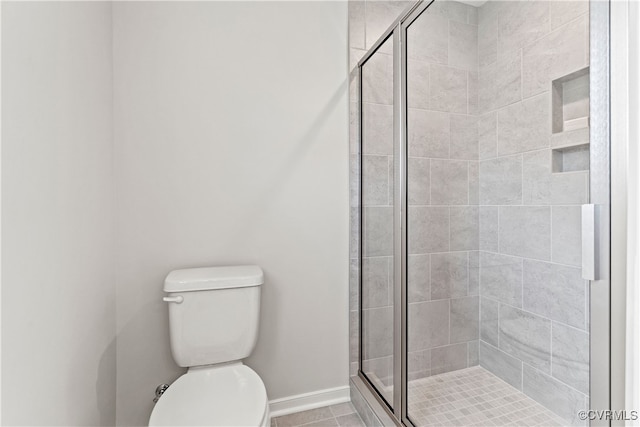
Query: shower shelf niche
x=570, y=122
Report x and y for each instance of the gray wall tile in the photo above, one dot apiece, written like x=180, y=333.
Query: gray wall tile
x=418, y=84
x=354, y=279
x=375, y=180
x=428, y=325
x=508, y=79
x=463, y=45
x=428, y=133
x=553, y=394
x=569, y=188
x=566, y=241
x=561, y=52
x=377, y=79
x=536, y=183
x=354, y=345
x=354, y=180
x=525, y=126
x=419, y=364
x=377, y=239
x=457, y=11
x=419, y=278
x=489, y=229
x=464, y=228
x=375, y=282
x=501, y=278
x=488, y=33
x=354, y=232
x=526, y=337
x=448, y=358
x=428, y=229
x=500, y=82
x=419, y=181
x=427, y=38
x=473, y=88
x=448, y=89
x=378, y=332
x=541, y=187
x=380, y=368
x=473, y=358
x=562, y=12
x=474, y=273
x=449, y=275
x=501, y=364
x=489, y=315
x=570, y=356
x=472, y=15
x=487, y=136
x=464, y=137
x=474, y=183
x=377, y=129
x=555, y=291
x=521, y=22
x=526, y=231
x=356, y=24
x=464, y=319
x=501, y=181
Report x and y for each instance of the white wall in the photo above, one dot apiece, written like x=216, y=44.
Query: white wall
x=58, y=294
x=231, y=147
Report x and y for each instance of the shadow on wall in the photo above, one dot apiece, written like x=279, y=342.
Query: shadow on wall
x=105, y=385
x=151, y=321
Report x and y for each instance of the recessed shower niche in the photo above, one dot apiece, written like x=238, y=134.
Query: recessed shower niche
x=570, y=122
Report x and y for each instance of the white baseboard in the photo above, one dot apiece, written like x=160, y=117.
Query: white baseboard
x=306, y=401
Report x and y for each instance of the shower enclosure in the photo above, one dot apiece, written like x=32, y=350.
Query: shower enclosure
x=483, y=173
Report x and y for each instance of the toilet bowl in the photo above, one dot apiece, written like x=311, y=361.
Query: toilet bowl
x=230, y=395
x=213, y=325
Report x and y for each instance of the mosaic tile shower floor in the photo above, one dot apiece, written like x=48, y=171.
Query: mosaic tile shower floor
x=474, y=397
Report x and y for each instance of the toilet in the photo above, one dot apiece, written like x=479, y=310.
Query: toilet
x=213, y=325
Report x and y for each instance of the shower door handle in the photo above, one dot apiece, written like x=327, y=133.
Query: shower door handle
x=589, y=242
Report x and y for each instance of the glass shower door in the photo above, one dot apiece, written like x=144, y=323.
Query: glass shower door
x=497, y=170
x=377, y=226
x=479, y=159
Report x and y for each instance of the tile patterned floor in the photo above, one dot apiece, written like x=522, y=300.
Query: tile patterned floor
x=342, y=415
x=474, y=397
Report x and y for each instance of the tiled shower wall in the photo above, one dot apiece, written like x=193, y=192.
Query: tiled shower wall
x=493, y=232
x=442, y=73
x=533, y=301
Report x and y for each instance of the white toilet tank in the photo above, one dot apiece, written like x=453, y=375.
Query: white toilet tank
x=213, y=313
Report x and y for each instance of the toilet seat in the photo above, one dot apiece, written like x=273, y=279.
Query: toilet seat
x=228, y=395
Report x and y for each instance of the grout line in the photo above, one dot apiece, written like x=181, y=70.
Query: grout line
x=521, y=73
x=551, y=349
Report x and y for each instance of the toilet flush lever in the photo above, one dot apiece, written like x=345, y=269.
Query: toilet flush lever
x=177, y=299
